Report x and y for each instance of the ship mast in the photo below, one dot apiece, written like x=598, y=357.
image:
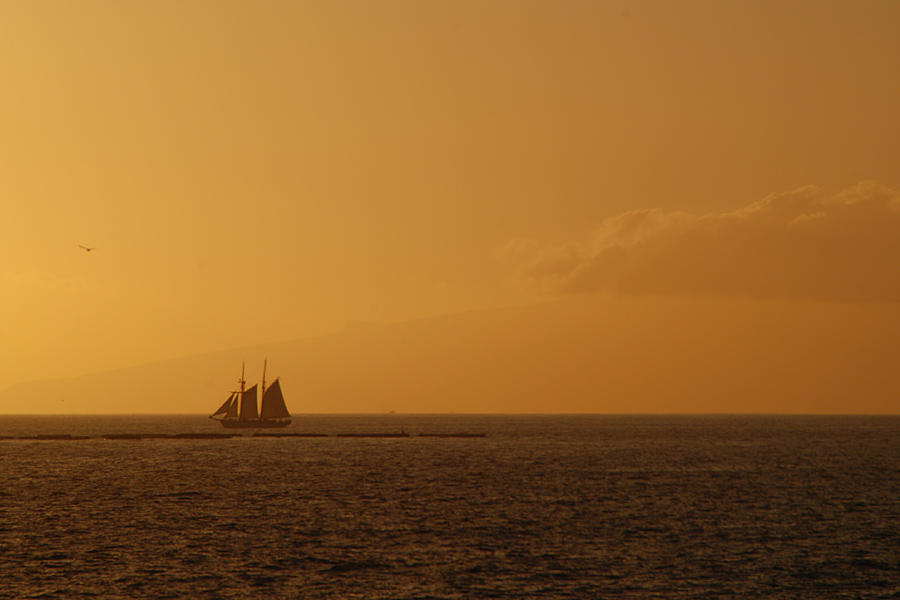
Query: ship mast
x=241, y=381
x=263, y=390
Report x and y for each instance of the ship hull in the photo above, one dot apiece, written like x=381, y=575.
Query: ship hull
x=254, y=423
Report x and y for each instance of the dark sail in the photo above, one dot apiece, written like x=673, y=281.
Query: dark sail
x=248, y=404
x=227, y=409
x=273, y=406
x=233, y=409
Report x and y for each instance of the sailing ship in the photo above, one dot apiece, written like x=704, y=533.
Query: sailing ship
x=240, y=409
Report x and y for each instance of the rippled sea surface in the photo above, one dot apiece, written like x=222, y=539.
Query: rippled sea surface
x=543, y=507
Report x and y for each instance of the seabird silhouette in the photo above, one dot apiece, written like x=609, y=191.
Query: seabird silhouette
x=86, y=248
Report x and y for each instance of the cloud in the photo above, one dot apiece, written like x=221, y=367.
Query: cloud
x=796, y=244
x=516, y=249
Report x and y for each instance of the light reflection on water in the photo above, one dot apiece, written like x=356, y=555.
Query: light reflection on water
x=544, y=506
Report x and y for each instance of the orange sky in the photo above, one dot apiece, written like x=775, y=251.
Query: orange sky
x=266, y=171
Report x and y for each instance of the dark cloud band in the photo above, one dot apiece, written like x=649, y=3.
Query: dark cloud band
x=795, y=244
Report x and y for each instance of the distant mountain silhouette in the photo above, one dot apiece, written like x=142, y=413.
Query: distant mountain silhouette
x=584, y=354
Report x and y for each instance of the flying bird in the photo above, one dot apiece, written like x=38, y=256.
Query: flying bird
x=86, y=248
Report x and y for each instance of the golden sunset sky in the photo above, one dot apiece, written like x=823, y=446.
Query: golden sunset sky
x=254, y=172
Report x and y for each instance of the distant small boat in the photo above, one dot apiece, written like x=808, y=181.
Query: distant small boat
x=240, y=409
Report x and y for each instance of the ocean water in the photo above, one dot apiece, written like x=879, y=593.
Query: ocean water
x=542, y=507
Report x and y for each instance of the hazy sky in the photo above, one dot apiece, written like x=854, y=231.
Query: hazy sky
x=251, y=172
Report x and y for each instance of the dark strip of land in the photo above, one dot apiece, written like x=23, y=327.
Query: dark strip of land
x=373, y=435
x=136, y=436
x=453, y=435
x=223, y=436
x=281, y=435
x=54, y=436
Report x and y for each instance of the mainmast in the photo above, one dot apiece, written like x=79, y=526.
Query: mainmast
x=263, y=390
x=241, y=381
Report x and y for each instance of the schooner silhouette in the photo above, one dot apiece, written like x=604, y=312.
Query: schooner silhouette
x=240, y=409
